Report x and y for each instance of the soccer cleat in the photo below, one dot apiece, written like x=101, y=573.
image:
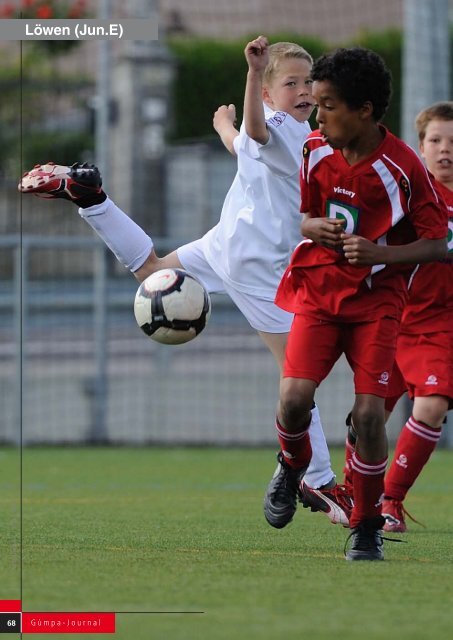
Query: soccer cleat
x=366, y=540
x=79, y=183
x=336, y=503
x=394, y=514
x=280, y=501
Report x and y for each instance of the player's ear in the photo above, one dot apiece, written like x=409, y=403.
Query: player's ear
x=267, y=97
x=421, y=148
x=366, y=110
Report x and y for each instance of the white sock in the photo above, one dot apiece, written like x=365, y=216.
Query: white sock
x=130, y=244
x=319, y=472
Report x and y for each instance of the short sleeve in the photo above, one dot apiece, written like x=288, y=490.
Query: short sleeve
x=282, y=153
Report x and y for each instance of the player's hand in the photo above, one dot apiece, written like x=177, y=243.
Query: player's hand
x=257, y=53
x=360, y=251
x=225, y=115
x=324, y=231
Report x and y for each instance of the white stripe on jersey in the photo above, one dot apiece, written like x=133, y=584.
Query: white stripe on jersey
x=409, y=284
x=408, y=181
x=392, y=188
x=377, y=267
x=436, y=197
x=316, y=156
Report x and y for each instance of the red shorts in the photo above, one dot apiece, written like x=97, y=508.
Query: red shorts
x=397, y=387
x=426, y=363
x=314, y=345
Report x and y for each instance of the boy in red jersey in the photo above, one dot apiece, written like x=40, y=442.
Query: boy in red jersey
x=371, y=214
x=425, y=344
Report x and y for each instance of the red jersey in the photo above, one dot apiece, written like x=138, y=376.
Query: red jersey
x=387, y=198
x=430, y=306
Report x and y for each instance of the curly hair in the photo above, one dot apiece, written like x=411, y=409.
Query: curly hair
x=359, y=75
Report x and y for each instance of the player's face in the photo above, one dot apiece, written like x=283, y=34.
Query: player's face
x=338, y=124
x=437, y=149
x=290, y=89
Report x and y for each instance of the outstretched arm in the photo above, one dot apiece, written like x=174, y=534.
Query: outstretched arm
x=257, y=55
x=224, y=121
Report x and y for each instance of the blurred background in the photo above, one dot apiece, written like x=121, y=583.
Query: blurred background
x=75, y=368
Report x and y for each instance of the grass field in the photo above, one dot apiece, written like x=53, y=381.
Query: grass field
x=181, y=530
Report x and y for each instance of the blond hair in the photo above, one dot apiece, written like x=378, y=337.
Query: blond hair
x=283, y=51
x=437, y=111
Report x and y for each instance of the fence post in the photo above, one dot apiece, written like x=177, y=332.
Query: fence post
x=426, y=60
x=20, y=316
x=97, y=432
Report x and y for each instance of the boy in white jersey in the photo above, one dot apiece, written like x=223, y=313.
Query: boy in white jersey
x=246, y=253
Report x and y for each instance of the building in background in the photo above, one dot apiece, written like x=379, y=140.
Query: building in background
x=331, y=20
x=74, y=362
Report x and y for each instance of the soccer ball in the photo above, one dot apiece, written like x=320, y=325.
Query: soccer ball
x=171, y=306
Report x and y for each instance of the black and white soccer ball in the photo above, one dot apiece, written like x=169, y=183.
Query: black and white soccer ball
x=171, y=306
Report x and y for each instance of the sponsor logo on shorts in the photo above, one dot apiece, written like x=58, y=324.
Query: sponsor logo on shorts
x=431, y=380
x=384, y=378
x=402, y=461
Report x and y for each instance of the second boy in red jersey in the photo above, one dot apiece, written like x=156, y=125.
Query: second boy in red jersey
x=425, y=343
x=371, y=214
x=424, y=354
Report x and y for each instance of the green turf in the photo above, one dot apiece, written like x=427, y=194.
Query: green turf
x=182, y=530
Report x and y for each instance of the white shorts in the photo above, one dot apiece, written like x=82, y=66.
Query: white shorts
x=262, y=315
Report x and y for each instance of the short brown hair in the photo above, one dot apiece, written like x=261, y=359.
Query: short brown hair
x=283, y=51
x=437, y=111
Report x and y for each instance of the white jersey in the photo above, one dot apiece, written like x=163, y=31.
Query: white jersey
x=259, y=226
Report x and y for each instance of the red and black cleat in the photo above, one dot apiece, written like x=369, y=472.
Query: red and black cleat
x=77, y=183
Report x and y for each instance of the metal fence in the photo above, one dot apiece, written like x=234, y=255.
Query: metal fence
x=77, y=369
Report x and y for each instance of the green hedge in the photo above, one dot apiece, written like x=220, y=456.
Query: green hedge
x=208, y=73
x=66, y=147
x=213, y=72
x=389, y=45
x=23, y=139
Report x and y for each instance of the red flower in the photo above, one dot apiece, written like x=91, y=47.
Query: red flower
x=43, y=9
x=44, y=12
x=7, y=10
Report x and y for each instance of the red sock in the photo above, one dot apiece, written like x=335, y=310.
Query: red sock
x=368, y=488
x=347, y=469
x=296, y=447
x=415, y=444
x=351, y=438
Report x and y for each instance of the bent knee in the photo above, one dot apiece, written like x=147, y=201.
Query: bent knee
x=431, y=410
x=368, y=422
x=296, y=401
